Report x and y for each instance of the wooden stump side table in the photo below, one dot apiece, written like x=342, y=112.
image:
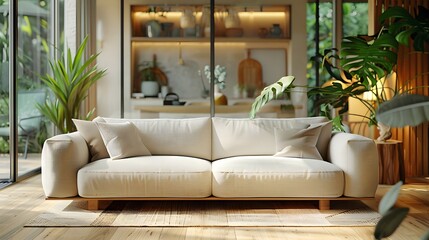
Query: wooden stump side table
x=390, y=162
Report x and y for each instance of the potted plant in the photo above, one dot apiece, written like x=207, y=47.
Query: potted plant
x=152, y=78
x=69, y=82
x=149, y=83
x=363, y=64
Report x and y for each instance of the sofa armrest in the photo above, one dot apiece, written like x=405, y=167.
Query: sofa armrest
x=62, y=156
x=357, y=156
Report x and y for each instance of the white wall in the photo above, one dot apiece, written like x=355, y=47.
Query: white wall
x=108, y=88
x=108, y=15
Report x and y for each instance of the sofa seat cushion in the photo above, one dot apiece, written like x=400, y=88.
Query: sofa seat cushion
x=269, y=176
x=146, y=176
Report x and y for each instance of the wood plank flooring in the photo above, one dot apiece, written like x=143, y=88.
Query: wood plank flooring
x=23, y=201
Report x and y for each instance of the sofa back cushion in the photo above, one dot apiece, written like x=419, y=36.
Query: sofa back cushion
x=183, y=137
x=241, y=137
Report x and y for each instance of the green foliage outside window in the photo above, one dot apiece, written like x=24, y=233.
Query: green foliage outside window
x=32, y=59
x=355, y=19
x=355, y=22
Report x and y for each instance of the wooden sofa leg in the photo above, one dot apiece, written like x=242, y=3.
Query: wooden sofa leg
x=324, y=205
x=98, y=204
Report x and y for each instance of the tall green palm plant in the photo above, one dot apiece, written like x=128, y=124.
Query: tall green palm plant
x=69, y=83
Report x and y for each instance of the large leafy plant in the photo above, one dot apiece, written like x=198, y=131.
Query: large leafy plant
x=363, y=62
x=405, y=27
x=361, y=65
x=71, y=78
x=396, y=111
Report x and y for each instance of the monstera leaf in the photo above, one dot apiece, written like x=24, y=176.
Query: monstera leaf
x=406, y=26
x=404, y=110
x=369, y=60
x=271, y=92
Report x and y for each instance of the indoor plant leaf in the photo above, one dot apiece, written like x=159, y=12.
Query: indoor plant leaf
x=69, y=83
x=405, y=26
x=271, y=92
x=369, y=60
x=389, y=200
x=425, y=236
x=390, y=222
x=404, y=110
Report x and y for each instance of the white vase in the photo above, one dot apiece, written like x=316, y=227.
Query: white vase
x=164, y=91
x=232, y=20
x=187, y=20
x=150, y=88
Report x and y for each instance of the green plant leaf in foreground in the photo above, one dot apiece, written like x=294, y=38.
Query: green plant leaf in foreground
x=389, y=200
x=390, y=222
x=271, y=92
x=425, y=236
x=396, y=112
x=369, y=60
x=405, y=27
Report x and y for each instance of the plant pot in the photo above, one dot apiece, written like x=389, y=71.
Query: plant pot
x=150, y=88
x=219, y=97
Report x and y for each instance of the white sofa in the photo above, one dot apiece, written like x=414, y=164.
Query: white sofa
x=206, y=158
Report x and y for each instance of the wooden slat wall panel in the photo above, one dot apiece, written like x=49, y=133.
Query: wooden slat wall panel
x=410, y=67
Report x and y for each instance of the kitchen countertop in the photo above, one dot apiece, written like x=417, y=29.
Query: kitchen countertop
x=154, y=108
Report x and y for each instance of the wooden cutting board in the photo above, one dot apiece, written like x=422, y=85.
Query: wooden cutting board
x=250, y=73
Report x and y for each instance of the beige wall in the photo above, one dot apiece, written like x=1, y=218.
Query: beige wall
x=108, y=16
x=108, y=31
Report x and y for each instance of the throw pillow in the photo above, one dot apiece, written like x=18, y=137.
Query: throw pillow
x=89, y=131
x=298, y=143
x=122, y=140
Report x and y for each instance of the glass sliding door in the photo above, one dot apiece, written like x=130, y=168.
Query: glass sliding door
x=5, y=162
x=251, y=43
x=33, y=32
x=169, y=51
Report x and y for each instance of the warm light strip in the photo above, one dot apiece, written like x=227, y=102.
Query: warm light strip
x=262, y=14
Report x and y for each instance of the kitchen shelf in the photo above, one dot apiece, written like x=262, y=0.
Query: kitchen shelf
x=217, y=39
x=258, y=24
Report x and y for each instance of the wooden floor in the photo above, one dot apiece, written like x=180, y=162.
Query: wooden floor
x=23, y=201
x=24, y=165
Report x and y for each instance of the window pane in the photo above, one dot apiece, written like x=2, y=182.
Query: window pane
x=325, y=42
x=355, y=19
x=34, y=42
x=4, y=93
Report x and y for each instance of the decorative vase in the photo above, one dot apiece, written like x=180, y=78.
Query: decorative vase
x=263, y=32
x=219, y=97
x=187, y=20
x=150, y=88
x=232, y=20
x=205, y=22
x=276, y=31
